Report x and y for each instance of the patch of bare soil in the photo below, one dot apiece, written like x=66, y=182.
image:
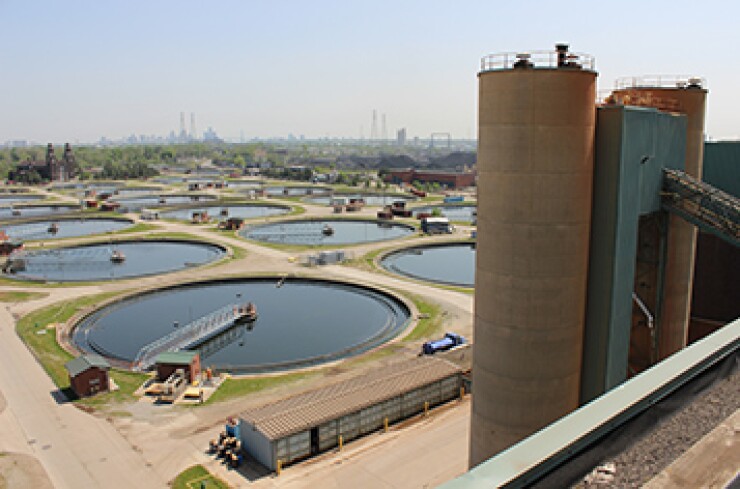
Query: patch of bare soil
x=17, y=470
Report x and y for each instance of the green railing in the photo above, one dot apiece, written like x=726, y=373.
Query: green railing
x=535, y=457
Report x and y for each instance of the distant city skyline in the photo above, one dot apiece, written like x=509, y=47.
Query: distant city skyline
x=79, y=71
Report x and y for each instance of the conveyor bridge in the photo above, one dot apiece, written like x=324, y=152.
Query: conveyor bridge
x=701, y=204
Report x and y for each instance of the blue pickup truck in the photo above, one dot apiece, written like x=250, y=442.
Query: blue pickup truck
x=449, y=341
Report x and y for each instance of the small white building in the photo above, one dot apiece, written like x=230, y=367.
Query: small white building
x=436, y=225
x=149, y=214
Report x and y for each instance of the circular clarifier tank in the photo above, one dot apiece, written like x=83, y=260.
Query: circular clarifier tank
x=300, y=322
x=140, y=191
x=170, y=180
x=458, y=213
x=370, y=199
x=138, y=203
x=20, y=211
x=327, y=232
x=98, y=186
x=109, y=261
x=292, y=191
x=244, y=184
x=9, y=198
x=64, y=228
x=449, y=263
x=223, y=212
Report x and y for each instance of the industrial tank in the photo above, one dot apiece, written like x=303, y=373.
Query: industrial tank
x=535, y=168
x=686, y=95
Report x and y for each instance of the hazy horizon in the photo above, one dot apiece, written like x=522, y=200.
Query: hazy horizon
x=76, y=71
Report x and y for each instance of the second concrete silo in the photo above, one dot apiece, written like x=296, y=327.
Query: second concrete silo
x=686, y=95
x=535, y=168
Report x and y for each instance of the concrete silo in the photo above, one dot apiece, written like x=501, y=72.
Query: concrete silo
x=535, y=168
x=684, y=95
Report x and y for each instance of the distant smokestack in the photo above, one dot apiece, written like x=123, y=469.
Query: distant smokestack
x=374, y=127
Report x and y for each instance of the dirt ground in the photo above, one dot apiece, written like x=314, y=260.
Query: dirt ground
x=17, y=471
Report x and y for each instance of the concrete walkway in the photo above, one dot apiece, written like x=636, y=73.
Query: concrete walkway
x=76, y=449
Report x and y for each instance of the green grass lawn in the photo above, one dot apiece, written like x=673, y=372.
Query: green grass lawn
x=33, y=330
x=20, y=296
x=238, y=253
x=430, y=323
x=195, y=476
x=231, y=388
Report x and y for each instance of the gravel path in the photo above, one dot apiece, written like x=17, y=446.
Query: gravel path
x=644, y=458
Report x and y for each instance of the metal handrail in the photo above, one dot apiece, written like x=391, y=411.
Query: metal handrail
x=660, y=81
x=536, y=456
x=539, y=59
x=187, y=336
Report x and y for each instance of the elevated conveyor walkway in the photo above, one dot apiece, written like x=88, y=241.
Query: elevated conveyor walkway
x=701, y=204
x=194, y=333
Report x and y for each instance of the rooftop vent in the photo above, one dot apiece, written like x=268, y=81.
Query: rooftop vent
x=694, y=82
x=522, y=61
x=562, y=50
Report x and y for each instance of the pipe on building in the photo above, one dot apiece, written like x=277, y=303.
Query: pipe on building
x=650, y=324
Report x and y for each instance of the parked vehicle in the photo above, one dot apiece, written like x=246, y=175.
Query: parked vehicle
x=436, y=225
x=450, y=340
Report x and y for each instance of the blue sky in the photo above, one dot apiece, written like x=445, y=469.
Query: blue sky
x=78, y=70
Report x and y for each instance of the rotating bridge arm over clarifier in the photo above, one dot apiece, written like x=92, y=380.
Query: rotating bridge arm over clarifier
x=193, y=333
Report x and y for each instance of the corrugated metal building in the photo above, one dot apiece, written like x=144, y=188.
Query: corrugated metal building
x=306, y=424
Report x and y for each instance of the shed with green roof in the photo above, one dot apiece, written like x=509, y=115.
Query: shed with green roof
x=168, y=362
x=88, y=374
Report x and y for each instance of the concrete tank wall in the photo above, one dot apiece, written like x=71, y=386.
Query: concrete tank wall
x=535, y=164
x=681, y=248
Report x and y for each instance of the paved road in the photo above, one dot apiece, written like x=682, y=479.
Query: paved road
x=77, y=450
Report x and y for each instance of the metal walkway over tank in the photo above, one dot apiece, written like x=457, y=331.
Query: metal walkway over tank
x=703, y=205
x=87, y=258
x=190, y=335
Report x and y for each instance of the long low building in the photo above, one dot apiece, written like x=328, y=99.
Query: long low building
x=312, y=422
x=445, y=178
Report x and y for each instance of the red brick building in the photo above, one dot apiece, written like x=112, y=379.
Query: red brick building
x=168, y=362
x=51, y=169
x=88, y=375
x=446, y=179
